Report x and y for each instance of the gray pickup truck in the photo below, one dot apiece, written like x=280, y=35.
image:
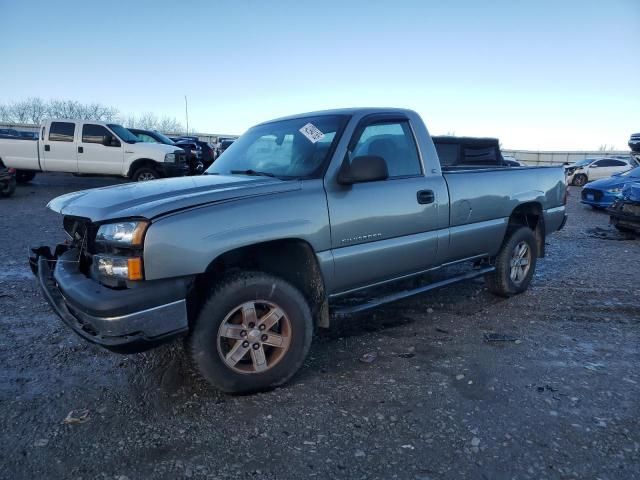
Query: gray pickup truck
x=299, y=214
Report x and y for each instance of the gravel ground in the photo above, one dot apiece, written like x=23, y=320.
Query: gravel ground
x=560, y=399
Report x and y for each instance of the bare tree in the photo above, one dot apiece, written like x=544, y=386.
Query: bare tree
x=19, y=112
x=35, y=110
x=5, y=113
x=100, y=113
x=66, y=109
x=606, y=148
x=148, y=121
x=169, y=125
x=129, y=121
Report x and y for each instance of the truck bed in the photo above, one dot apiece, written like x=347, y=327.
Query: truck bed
x=482, y=199
x=20, y=153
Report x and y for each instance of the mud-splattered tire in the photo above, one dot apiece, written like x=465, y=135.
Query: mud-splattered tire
x=252, y=334
x=515, y=264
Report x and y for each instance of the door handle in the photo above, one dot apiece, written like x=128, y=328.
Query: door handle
x=80, y=150
x=426, y=196
x=47, y=148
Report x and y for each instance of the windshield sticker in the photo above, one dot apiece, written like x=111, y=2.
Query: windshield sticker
x=312, y=133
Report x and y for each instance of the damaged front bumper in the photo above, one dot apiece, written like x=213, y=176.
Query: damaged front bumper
x=625, y=215
x=125, y=321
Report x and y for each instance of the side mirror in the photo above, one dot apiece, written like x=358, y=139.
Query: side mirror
x=366, y=168
x=107, y=140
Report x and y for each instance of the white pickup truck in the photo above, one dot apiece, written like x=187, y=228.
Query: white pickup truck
x=92, y=148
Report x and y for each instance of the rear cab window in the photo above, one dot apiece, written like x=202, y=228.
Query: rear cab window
x=62, y=131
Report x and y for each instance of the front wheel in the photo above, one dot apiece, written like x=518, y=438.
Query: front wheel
x=144, y=174
x=515, y=264
x=252, y=334
x=580, y=180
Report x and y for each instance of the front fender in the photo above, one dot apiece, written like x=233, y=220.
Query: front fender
x=188, y=241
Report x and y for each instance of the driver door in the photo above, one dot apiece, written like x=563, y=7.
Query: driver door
x=388, y=228
x=96, y=155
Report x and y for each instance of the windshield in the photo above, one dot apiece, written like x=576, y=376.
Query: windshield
x=579, y=163
x=124, y=134
x=164, y=139
x=633, y=173
x=296, y=148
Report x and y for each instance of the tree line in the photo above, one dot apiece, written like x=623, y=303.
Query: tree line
x=34, y=110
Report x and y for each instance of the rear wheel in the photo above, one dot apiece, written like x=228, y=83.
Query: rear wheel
x=580, y=180
x=25, y=176
x=144, y=174
x=252, y=334
x=515, y=264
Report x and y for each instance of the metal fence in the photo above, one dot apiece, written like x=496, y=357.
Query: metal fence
x=534, y=158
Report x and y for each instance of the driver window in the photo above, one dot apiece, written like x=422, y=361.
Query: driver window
x=394, y=142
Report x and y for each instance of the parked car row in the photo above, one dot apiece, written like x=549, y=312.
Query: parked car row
x=590, y=169
x=91, y=148
x=96, y=148
x=604, y=192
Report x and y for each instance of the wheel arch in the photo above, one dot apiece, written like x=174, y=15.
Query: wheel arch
x=531, y=215
x=140, y=162
x=291, y=259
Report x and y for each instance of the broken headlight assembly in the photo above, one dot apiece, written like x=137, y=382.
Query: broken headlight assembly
x=120, y=257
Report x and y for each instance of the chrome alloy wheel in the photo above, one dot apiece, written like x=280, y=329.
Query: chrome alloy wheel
x=520, y=262
x=254, y=337
x=146, y=176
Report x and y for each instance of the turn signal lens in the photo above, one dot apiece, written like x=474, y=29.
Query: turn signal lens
x=135, y=268
x=129, y=268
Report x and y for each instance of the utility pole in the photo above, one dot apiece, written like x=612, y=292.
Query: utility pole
x=186, y=112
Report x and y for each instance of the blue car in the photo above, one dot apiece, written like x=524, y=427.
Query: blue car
x=602, y=193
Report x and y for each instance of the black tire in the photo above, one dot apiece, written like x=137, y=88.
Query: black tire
x=231, y=292
x=7, y=188
x=622, y=229
x=500, y=282
x=580, y=180
x=145, y=173
x=24, y=176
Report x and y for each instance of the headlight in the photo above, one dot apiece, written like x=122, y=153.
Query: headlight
x=170, y=158
x=126, y=268
x=123, y=233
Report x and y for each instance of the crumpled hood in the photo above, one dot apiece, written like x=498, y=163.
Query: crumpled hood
x=631, y=192
x=158, y=197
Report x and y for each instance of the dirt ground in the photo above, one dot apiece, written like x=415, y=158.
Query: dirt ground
x=560, y=398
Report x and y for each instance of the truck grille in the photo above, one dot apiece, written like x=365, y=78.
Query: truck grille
x=596, y=194
x=83, y=234
x=181, y=157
